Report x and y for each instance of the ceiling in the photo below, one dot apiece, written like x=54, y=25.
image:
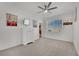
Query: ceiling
x=32, y=9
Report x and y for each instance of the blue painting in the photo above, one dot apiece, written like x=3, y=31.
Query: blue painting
x=55, y=25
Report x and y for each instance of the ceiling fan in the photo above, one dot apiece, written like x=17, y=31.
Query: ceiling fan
x=46, y=8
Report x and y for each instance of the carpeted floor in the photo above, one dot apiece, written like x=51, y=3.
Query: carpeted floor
x=42, y=47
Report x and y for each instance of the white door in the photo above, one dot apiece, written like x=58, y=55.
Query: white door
x=27, y=35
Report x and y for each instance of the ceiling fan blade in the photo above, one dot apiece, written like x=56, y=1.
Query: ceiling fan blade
x=45, y=7
x=40, y=12
x=49, y=4
x=40, y=7
x=52, y=8
x=49, y=12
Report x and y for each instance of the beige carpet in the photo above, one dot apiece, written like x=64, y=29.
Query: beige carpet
x=42, y=47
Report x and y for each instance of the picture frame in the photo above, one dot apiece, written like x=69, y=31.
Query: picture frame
x=34, y=23
x=26, y=22
x=54, y=25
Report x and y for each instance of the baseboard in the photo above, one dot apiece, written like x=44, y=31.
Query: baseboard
x=11, y=47
x=57, y=39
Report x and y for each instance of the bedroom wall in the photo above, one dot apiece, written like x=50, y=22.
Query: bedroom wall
x=76, y=32
x=66, y=31
x=9, y=36
x=12, y=36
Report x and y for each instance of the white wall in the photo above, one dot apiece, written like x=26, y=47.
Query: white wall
x=66, y=32
x=12, y=36
x=9, y=36
x=76, y=32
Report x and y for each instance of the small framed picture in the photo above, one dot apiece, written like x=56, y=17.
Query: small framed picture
x=26, y=22
x=34, y=23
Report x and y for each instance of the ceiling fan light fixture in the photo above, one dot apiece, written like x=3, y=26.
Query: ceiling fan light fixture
x=45, y=11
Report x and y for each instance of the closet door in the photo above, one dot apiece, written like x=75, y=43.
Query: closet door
x=30, y=36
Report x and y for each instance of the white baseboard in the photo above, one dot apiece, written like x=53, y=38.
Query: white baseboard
x=10, y=47
x=57, y=39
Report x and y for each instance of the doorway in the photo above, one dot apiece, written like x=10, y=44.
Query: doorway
x=40, y=30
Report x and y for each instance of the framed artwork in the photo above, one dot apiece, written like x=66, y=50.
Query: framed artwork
x=26, y=22
x=11, y=19
x=67, y=23
x=54, y=25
